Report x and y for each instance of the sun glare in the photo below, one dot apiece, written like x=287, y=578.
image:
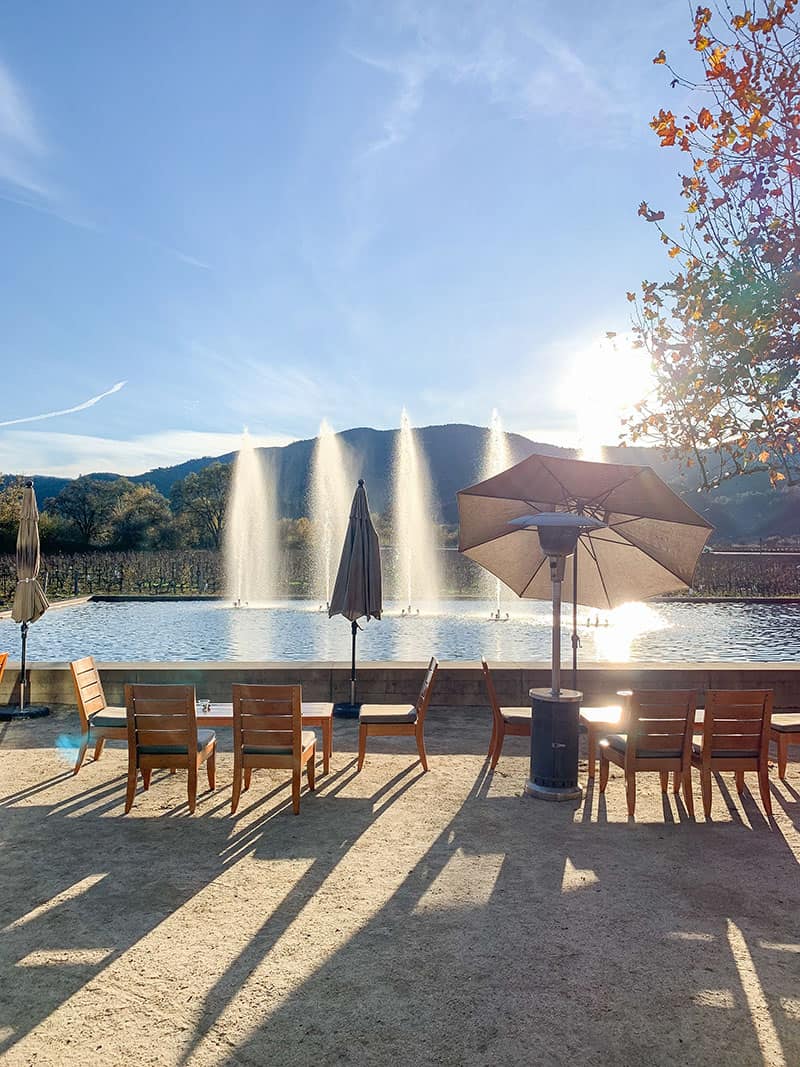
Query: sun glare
x=604, y=382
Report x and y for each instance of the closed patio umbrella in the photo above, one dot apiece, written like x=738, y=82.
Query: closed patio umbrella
x=357, y=590
x=30, y=602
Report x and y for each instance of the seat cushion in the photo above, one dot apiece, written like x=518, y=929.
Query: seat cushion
x=204, y=737
x=619, y=743
x=386, y=713
x=112, y=717
x=308, y=738
x=723, y=753
x=785, y=723
x=517, y=716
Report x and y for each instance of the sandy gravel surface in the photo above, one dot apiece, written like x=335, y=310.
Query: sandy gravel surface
x=401, y=919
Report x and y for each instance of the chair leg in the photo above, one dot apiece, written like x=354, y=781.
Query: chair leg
x=705, y=786
x=664, y=775
x=688, y=796
x=248, y=774
x=362, y=745
x=763, y=788
x=98, y=748
x=130, y=792
x=421, y=749
x=192, y=785
x=296, y=790
x=237, y=786
x=492, y=739
x=81, y=753
x=739, y=781
x=498, y=745
x=783, y=755
x=211, y=768
x=327, y=746
x=591, y=751
x=173, y=770
x=605, y=767
x=311, y=772
x=630, y=792
x=676, y=782
x=146, y=775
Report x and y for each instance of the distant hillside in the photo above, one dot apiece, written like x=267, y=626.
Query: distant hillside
x=745, y=509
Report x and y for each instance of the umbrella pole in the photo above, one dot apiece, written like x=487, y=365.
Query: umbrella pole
x=575, y=638
x=556, y=577
x=353, y=665
x=22, y=681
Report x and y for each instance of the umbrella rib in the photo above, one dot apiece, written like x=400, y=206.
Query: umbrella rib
x=529, y=583
x=658, y=562
x=600, y=497
x=593, y=554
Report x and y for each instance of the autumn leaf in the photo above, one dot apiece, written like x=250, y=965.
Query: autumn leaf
x=661, y=57
x=631, y=297
x=704, y=118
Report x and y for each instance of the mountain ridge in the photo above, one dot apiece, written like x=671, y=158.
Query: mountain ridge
x=745, y=506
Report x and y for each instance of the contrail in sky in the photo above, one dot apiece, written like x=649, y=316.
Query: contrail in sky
x=67, y=411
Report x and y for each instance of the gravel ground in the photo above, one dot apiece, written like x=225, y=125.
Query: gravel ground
x=402, y=918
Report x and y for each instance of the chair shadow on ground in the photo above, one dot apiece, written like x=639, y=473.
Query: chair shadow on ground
x=500, y=940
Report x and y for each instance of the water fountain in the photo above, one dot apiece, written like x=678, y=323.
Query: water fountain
x=330, y=492
x=251, y=534
x=496, y=458
x=416, y=579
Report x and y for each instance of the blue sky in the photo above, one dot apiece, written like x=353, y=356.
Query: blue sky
x=264, y=214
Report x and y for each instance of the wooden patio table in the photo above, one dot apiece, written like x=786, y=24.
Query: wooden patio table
x=318, y=715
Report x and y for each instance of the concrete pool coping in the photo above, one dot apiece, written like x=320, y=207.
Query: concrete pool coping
x=459, y=683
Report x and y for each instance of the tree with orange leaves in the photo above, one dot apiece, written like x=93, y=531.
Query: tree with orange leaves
x=723, y=332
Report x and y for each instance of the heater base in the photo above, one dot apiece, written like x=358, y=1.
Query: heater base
x=345, y=710
x=32, y=711
x=548, y=792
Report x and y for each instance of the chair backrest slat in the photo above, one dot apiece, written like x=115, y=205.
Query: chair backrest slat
x=268, y=716
x=3, y=661
x=424, y=698
x=88, y=688
x=737, y=721
x=661, y=721
x=161, y=715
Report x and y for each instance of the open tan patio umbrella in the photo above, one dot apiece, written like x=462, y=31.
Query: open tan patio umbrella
x=648, y=544
x=357, y=592
x=630, y=537
x=30, y=602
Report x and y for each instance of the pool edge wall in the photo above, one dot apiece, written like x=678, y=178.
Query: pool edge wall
x=458, y=684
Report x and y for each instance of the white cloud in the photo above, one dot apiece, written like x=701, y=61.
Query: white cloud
x=68, y=455
x=502, y=50
x=21, y=144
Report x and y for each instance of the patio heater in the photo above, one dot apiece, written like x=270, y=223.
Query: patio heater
x=554, y=730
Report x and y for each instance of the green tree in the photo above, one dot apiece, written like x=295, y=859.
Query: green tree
x=723, y=332
x=140, y=519
x=10, y=504
x=201, y=499
x=87, y=504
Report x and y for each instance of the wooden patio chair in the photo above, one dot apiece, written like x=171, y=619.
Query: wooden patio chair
x=513, y=721
x=386, y=720
x=659, y=738
x=784, y=731
x=162, y=732
x=3, y=662
x=735, y=737
x=268, y=732
x=99, y=722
